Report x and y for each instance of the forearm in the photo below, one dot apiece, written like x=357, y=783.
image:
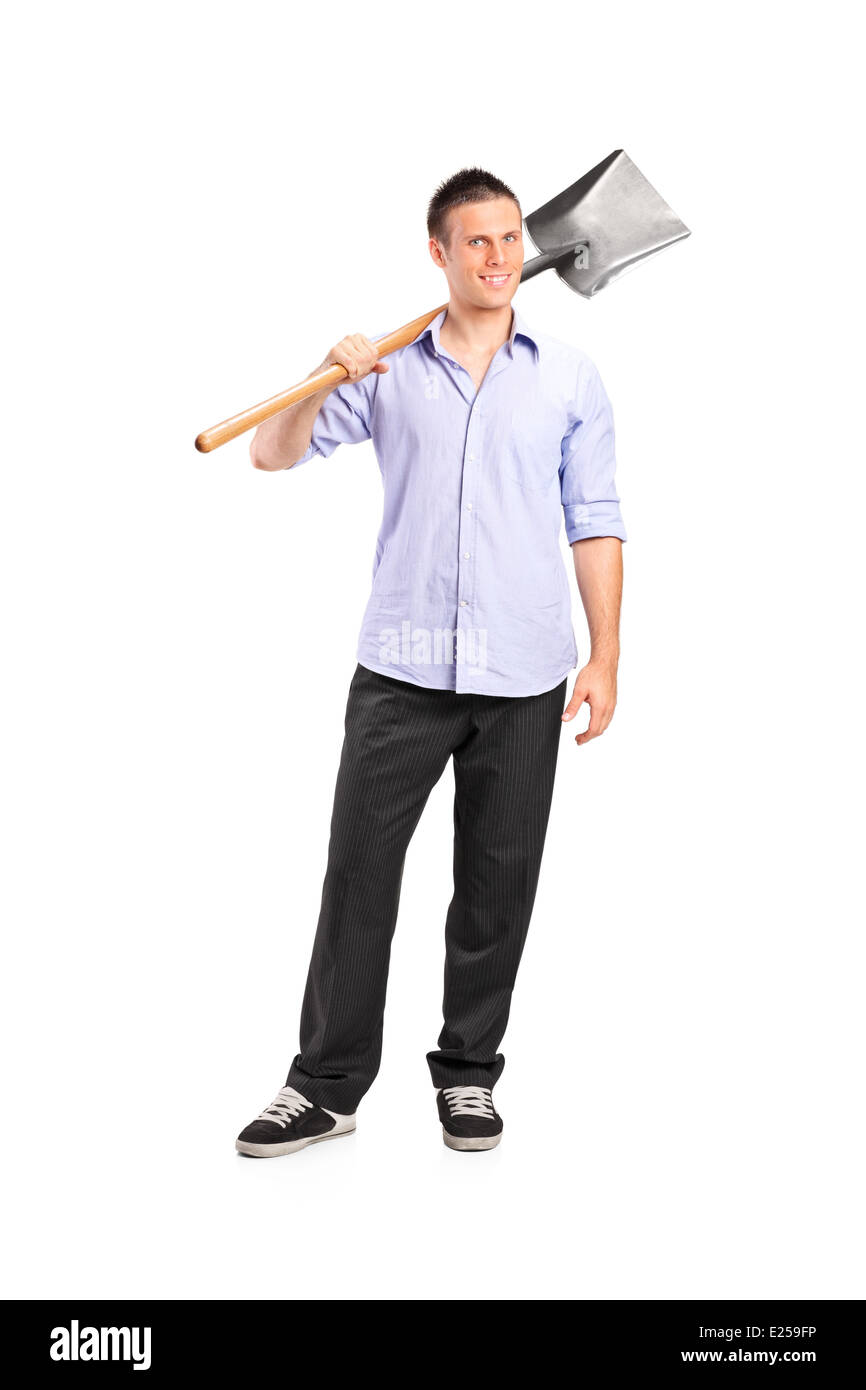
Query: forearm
x=284, y=438
x=598, y=568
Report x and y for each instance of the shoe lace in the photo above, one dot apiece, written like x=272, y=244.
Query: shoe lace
x=469, y=1100
x=287, y=1104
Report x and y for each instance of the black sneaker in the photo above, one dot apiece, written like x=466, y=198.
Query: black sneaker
x=289, y=1123
x=469, y=1120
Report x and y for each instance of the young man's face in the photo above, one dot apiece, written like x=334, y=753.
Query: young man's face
x=483, y=256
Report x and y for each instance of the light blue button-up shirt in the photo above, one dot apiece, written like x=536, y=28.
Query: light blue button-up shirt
x=470, y=590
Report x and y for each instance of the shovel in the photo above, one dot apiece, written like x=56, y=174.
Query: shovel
x=600, y=227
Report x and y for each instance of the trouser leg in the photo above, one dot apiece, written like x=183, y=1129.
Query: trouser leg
x=504, y=775
x=398, y=738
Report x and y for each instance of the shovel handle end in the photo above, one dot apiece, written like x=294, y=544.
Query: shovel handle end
x=328, y=377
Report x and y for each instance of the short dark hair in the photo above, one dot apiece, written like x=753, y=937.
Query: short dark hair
x=467, y=186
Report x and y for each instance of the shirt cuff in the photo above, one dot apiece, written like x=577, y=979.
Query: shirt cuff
x=586, y=519
x=311, y=449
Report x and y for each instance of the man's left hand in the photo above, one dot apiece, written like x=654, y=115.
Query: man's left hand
x=595, y=684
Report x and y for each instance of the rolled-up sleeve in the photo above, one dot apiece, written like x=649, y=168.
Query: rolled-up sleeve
x=590, y=501
x=343, y=418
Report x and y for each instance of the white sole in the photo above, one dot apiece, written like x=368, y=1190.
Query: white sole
x=487, y=1141
x=345, y=1125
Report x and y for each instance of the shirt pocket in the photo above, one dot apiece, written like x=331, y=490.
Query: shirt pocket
x=533, y=450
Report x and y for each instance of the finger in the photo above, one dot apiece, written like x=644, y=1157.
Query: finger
x=592, y=728
x=599, y=720
x=362, y=352
x=370, y=349
x=607, y=716
x=348, y=361
x=574, y=704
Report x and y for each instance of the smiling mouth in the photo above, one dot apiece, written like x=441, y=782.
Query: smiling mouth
x=495, y=280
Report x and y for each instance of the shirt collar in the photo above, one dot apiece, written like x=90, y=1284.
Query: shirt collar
x=519, y=328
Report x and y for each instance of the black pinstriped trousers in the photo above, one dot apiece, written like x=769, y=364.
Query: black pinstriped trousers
x=398, y=739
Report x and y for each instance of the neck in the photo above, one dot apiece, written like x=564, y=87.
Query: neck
x=476, y=330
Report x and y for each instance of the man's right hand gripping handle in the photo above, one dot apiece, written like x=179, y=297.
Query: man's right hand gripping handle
x=280, y=441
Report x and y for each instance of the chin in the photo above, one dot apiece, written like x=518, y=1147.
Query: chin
x=489, y=301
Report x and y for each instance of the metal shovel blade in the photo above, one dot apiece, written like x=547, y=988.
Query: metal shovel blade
x=617, y=212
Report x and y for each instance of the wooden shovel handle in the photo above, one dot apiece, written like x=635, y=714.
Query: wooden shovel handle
x=330, y=376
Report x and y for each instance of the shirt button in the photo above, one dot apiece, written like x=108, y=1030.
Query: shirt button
x=471, y=458
x=466, y=555
x=469, y=506
x=463, y=603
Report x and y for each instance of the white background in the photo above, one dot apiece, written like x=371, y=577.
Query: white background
x=205, y=198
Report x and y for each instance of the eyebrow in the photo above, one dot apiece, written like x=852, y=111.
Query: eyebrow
x=514, y=231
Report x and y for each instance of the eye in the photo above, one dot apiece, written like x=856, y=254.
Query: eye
x=476, y=238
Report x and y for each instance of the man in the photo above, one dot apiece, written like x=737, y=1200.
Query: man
x=487, y=433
